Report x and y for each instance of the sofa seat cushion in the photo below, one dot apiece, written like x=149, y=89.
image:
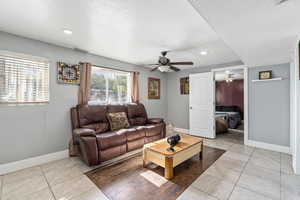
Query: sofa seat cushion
x=97, y=127
x=137, y=133
x=110, y=139
x=153, y=129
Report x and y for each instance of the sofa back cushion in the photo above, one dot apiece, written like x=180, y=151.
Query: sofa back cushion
x=118, y=120
x=137, y=114
x=93, y=117
x=116, y=108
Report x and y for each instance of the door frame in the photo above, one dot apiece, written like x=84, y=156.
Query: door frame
x=246, y=105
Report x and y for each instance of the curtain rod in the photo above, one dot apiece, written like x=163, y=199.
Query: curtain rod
x=112, y=68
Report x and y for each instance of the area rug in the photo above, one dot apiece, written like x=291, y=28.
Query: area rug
x=128, y=180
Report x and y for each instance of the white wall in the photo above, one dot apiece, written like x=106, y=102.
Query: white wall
x=28, y=131
x=269, y=106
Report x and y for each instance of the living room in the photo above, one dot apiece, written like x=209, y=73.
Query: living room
x=156, y=67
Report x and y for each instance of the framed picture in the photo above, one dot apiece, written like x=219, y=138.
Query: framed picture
x=265, y=75
x=184, y=86
x=153, y=88
x=68, y=74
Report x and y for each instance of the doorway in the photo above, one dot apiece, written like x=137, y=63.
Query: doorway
x=229, y=104
x=219, y=103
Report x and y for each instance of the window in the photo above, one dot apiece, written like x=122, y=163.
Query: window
x=23, y=80
x=109, y=86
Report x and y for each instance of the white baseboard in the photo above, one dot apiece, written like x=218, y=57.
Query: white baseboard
x=182, y=130
x=34, y=161
x=272, y=147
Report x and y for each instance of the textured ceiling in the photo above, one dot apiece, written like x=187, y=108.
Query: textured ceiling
x=134, y=31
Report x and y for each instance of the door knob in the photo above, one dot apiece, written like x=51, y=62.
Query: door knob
x=191, y=107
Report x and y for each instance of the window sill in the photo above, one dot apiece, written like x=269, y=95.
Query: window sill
x=8, y=104
x=105, y=104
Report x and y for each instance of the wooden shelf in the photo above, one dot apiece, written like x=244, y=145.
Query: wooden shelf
x=272, y=79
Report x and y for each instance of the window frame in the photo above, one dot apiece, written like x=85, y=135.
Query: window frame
x=129, y=86
x=29, y=58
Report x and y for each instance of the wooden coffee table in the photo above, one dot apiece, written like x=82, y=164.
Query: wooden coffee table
x=157, y=153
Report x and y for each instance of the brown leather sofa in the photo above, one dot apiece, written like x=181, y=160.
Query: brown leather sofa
x=97, y=143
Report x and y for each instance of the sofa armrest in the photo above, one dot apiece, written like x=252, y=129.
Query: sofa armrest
x=89, y=150
x=86, y=139
x=155, y=120
x=84, y=132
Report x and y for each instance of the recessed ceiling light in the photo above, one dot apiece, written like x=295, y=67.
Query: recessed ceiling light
x=67, y=32
x=203, y=53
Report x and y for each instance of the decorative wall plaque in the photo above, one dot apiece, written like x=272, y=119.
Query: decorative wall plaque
x=265, y=75
x=184, y=86
x=68, y=74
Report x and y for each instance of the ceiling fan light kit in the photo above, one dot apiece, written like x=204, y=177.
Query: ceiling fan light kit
x=164, y=68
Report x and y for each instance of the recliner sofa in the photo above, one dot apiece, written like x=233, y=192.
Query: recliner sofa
x=97, y=143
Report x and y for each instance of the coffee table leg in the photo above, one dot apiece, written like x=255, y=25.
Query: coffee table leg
x=201, y=152
x=144, y=157
x=169, y=168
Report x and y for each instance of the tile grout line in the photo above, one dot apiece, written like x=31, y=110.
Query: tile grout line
x=215, y=177
x=48, y=183
x=204, y=192
x=280, y=176
x=1, y=188
x=254, y=190
x=241, y=174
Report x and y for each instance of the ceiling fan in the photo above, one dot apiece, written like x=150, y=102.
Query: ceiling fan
x=164, y=64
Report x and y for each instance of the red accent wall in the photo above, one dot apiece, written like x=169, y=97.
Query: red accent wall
x=230, y=94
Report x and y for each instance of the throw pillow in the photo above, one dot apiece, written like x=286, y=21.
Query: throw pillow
x=118, y=120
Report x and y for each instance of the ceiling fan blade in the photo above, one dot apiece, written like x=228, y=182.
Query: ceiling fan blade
x=155, y=68
x=181, y=63
x=151, y=64
x=174, y=68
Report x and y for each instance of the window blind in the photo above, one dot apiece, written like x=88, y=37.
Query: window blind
x=23, y=80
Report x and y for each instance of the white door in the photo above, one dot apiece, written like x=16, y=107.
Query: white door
x=202, y=90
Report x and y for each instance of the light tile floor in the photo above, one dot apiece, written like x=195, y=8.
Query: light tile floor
x=242, y=173
x=245, y=173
